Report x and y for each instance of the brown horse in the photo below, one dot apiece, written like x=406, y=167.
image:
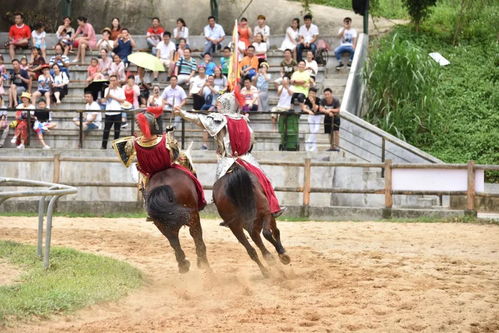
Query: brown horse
x=172, y=202
x=242, y=204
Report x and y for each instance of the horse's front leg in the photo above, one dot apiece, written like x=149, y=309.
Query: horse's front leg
x=172, y=236
x=197, y=234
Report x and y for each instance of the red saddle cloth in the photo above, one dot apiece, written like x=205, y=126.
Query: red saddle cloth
x=157, y=158
x=240, y=143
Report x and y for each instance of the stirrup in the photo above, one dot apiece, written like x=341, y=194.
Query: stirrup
x=279, y=213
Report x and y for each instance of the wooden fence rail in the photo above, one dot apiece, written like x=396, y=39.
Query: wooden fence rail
x=306, y=188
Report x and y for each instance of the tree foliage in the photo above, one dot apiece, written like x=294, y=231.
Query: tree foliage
x=419, y=10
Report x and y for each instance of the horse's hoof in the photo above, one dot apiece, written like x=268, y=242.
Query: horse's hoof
x=184, y=267
x=285, y=259
x=203, y=264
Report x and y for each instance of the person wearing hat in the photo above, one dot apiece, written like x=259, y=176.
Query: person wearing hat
x=105, y=43
x=45, y=82
x=21, y=131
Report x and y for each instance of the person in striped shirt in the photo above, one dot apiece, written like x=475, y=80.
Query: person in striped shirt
x=185, y=68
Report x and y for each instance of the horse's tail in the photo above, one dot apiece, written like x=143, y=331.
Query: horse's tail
x=162, y=207
x=240, y=190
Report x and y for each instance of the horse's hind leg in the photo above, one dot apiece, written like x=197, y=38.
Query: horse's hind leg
x=257, y=239
x=237, y=230
x=197, y=234
x=172, y=236
x=273, y=235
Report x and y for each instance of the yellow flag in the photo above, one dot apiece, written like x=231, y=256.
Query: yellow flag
x=234, y=73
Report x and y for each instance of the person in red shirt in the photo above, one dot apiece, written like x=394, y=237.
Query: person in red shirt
x=19, y=35
x=155, y=33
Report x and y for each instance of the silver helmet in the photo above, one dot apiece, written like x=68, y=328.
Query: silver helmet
x=226, y=104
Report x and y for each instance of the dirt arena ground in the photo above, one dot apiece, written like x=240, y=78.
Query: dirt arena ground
x=380, y=277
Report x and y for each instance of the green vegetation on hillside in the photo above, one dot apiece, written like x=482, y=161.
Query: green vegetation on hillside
x=459, y=120
x=74, y=280
x=392, y=9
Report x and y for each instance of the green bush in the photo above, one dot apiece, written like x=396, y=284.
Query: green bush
x=402, y=101
x=385, y=8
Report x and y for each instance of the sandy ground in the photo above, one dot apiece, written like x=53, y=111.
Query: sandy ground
x=382, y=277
x=9, y=273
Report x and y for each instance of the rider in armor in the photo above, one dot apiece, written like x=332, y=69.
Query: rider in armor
x=155, y=152
x=234, y=141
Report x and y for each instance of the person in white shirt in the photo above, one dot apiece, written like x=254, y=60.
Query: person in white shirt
x=173, y=96
x=93, y=119
x=115, y=95
x=196, y=85
x=164, y=51
x=307, y=35
x=348, y=36
x=311, y=66
x=214, y=34
x=262, y=28
x=38, y=36
x=284, y=104
x=181, y=31
x=260, y=46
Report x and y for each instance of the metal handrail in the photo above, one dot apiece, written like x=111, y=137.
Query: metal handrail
x=54, y=192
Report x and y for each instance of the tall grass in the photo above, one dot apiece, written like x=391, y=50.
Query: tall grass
x=401, y=96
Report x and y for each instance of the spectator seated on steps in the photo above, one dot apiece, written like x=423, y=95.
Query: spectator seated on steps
x=348, y=43
x=19, y=35
x=154, y=34
x=43, y=121
x=214, y=35
x=249, y=64
x=307, y=35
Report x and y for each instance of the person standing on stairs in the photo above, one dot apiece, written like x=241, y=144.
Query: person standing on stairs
x=330, y=106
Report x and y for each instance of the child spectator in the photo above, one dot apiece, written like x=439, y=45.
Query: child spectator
x=19, y=35
x=93, y=71
x=181, y=31
x=4, y=123
x=115, y=29
x=250, y=94
x=124, y=46
x=60, y=59
x=60, y=85
x=38, y=35
x=208, y=64
x=311, y=106
x=330, y=106
x=165, y=51
x=105, y=43
x=43, y=121
x=154, y=34
x=105, y=62
x=24, y=64
x=36, y=63
x=196, y=88
x=308, y=34
x=214, y=35
x=20, y=82
x=249, y=64
x=21, y=129
x=45, y=82
x=262, y=85
x=93, y=118
x=262, y=28
x=260, y=47
x=64, y=33
x=348, y=36
x=284, y=104
x=311, y=65
x=225, y=61
x=185, y=68
x=86, y=40
x=117, y=68
x=291, y=39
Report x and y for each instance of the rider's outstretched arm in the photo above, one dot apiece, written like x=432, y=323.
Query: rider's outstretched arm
x=190, y=117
